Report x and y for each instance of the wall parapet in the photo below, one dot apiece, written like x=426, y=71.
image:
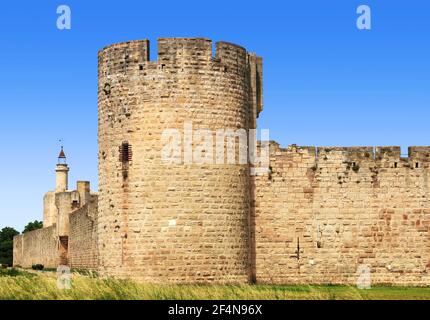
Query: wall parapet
x=418, y=157
x=177, y=53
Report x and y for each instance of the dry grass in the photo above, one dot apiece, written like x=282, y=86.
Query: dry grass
x=43, y=285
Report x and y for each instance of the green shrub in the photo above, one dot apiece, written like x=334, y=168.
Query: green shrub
x=12, y=272
x=37, y=266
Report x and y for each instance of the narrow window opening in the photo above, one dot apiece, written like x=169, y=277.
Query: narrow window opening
x=125, y=153
x=75, y=204
x=416, y=165
x=395, y=164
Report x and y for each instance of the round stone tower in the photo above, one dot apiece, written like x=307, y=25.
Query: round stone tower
x=183, y=221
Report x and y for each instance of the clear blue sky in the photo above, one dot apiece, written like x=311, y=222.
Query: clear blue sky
x=325, y=82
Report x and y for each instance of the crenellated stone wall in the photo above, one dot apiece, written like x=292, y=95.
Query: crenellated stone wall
x=323, y=213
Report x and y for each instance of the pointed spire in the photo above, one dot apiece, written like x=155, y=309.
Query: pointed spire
x=62, y=157
x=62, y=154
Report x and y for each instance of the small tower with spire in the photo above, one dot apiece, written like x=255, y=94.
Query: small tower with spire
x=62, y=173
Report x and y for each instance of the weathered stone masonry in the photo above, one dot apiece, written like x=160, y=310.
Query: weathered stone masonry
x=173, y=223
x=317, y=216
x=36, y=247
x=322, y=212
x=83, y=237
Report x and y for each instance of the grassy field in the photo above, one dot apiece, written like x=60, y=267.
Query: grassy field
x=16, y=284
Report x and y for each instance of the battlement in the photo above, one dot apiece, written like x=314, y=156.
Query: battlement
x=277, y=150
x=184, y=52
x=364, y=153
x=419, y=153
x=182, y=63
x=232, y=56
x=178, y=54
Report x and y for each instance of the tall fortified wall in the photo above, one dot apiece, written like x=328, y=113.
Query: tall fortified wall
x=83, y=236
x=163, y=222
x=323, y=215
x=36, y=247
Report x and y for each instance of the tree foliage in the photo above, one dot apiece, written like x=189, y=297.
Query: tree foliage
x=6, y=245
x=33, y=226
